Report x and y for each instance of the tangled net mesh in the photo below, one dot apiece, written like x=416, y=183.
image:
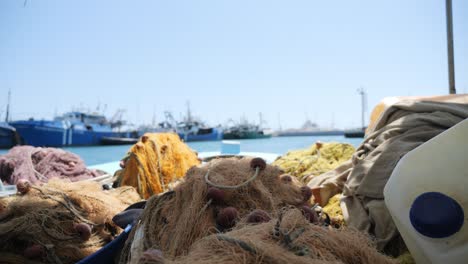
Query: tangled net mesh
x=318, y=159
x=184, y=224
x=41, y=164
x=156, y=161
x=333, y=209
x=173, y=221
x=46, y=224
x=315, y=160
x=290, y=238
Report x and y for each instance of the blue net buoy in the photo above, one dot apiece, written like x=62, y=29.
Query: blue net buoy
x=436, y=215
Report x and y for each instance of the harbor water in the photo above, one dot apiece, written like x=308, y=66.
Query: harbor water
x=93, y=155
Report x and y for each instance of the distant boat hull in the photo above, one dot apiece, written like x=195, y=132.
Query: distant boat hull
x=311, y=133
x=211, y=134
x=118, y=141
x=355, y=133
x=8, y=136
x=245, y=135
x=56, y=134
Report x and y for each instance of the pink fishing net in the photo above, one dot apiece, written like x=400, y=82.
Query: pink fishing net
x=42, y=164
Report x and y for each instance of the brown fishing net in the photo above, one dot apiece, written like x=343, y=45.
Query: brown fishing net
x=221, y=195
x=60, y=222
x=173, y=221
x=290, y=238
x=154, y=162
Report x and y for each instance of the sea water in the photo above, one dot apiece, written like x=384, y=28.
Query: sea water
x=93, y=155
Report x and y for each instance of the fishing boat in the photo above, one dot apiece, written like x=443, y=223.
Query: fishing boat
x=118, y=140
x=162, y=127
x=168, y=125
x=192, y=129
x=198, y=131
x=71, y=129
x=8, y=136
x=245, y=131
x=355, y=133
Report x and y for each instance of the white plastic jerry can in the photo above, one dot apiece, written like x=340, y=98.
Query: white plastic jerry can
x=427, y=196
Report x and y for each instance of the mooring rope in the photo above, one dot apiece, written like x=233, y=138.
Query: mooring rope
x=220, y=186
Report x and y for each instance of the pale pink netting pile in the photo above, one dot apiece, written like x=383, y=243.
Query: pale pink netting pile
x=41, y=164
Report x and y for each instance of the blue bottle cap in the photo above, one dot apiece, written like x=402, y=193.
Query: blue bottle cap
x=436, y=215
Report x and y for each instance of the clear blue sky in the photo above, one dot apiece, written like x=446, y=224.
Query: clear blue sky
x=229, y=58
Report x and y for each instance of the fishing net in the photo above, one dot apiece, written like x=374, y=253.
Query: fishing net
x=240, y=210
x=59, y=222
x=211, y=199
x=317, y=159
x=289, y=238
x=333, y=210
x=154, y=162
x=41, y=164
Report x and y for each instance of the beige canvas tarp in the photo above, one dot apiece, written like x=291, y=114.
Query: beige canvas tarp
x=401, y=128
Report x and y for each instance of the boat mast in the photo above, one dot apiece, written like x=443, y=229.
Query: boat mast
x=189, y=114
x=153, y=120
x=451, y=60
x=279, y=122
x=7, y=117
x=362, y=92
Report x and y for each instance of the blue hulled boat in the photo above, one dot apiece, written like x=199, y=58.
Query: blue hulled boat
x=195, y=131
x=192, y=129
x=8, y=136
x=74, y=128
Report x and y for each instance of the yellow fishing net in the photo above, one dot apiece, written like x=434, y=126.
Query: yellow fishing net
x=333, y=210
x=317, y=159
x=154, y=162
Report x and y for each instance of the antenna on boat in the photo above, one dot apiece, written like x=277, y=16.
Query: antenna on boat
x=189, y=114
x=7, y=117
x=279, y=122
x=244, y=119
x=451, y=60
x=363, y=94
x=153, y=120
